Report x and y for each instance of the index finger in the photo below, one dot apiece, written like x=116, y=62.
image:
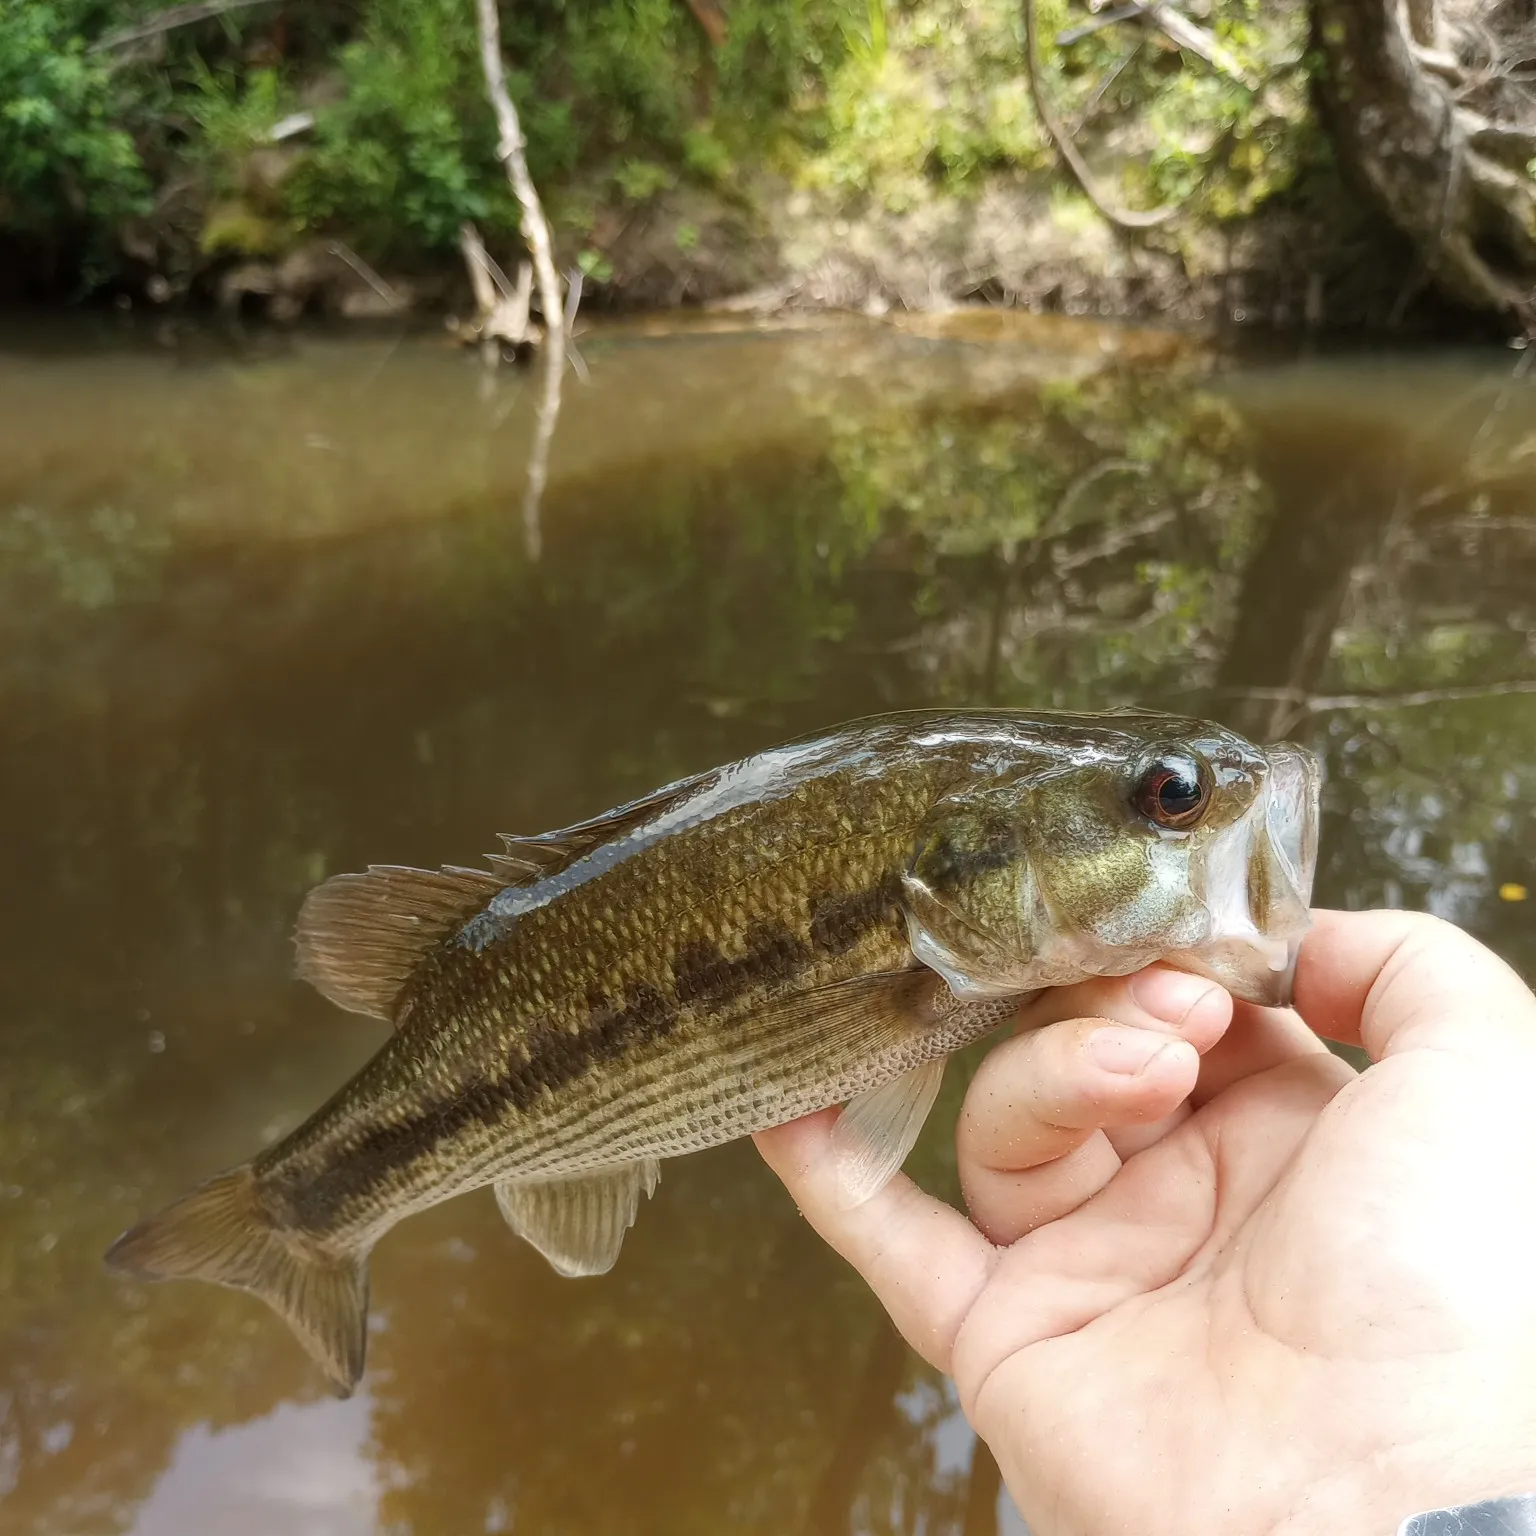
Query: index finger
x=1394, y=981
x=924, y=1261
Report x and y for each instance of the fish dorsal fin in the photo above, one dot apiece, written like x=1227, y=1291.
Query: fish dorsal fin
x=578, y=1224
x=360, y=936
x=879, y=1127
x=513, y=871
x=536, y=858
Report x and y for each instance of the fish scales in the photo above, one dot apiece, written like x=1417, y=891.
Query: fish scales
x=819, y=924
x=647, y=971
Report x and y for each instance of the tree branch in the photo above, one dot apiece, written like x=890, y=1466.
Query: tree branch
x=1304, y=704
x=1125, y=218
x=711, y=19
x=510, y=151
x=1181, y=31
x=345, y=253
x=1175, y=25
x=169, y=20
x=536, y=233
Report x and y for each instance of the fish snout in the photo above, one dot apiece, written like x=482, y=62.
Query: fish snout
x=1257, y=886
x=1280, y=894
x=1281, y=868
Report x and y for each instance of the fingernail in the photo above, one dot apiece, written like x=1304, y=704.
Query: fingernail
x=1119, y=1048
x=1168, y=995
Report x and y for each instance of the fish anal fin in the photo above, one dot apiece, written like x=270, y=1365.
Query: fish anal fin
x=359, y=936
x=578, y=1223
x=879, y=1127
x=222, y=1233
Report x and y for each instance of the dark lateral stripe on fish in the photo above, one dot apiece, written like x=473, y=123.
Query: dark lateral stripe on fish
x=560, y=1056
x=703, y=978
x=839, y=922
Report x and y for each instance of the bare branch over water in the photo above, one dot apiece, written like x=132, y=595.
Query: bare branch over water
x=510, y=148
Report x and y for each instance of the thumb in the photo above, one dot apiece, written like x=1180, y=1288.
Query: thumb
x=1395, y=981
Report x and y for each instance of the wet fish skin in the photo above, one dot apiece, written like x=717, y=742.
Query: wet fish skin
x=720, y=957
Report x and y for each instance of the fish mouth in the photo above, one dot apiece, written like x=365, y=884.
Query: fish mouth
x=1258, y=885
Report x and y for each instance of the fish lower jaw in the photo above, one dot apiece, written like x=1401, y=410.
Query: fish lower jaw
x=1254, y=967
x=1258, y=970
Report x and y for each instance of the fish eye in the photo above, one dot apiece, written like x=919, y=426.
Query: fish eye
x=1173, y=792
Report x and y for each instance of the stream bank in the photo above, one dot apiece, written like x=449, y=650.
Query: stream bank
x=283, y=161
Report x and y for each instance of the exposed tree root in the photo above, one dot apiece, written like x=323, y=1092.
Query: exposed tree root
x=1454, y=179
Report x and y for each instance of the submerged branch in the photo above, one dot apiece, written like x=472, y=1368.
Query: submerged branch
x=538, y=457
x=503, y=307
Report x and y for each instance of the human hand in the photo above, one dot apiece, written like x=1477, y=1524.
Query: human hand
x=1214, y=1281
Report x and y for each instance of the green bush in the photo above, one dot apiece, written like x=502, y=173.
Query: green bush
x=408, y=151
x=64, y=159
x=923, y=96
x=621, y=101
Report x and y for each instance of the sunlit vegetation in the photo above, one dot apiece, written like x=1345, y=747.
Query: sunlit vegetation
x=244, y=135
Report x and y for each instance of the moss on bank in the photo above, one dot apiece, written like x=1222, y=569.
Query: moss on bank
x=843, y=151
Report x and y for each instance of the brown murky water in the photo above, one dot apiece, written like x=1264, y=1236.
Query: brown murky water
x=267, y=611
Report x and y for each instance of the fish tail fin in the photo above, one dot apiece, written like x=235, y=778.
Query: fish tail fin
x=221, y=1232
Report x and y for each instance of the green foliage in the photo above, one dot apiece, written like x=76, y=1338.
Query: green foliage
x=1221, y=147
x=924, y=95
x=897, y=101
x=934, y=97
x=635, y=61
x=235, y=110
x=706, y=156
x=64, y=158
x=1217, y=144
x=407, y=153
x=594, y=265
x=236, y=229
x=641, y=180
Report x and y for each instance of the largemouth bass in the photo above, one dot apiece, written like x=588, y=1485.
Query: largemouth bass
x=820, y=924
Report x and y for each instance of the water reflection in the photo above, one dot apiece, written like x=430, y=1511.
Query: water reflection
x=265, y=613
x=301, y=1469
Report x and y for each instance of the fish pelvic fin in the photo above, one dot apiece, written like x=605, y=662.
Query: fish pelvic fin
x=222, y=1233
x=579, y=1223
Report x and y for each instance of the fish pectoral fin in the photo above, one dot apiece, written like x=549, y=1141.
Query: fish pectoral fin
x=879, y=1127
x=578, y=1224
